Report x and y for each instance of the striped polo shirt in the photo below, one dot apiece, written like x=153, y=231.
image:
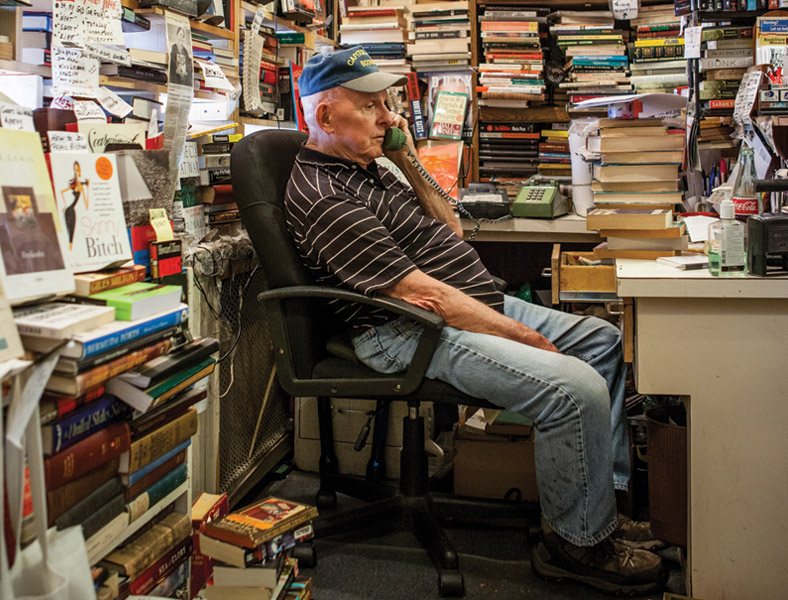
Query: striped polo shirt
x=365, y=230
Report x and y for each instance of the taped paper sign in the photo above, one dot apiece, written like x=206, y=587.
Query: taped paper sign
x=746, y=96
x=74, y=74
x=67, y=141
x=79, y=22
x=624, y=9
x=89, y=111
x=108, y=54
x=692, y=41
x=214, y=76
x=113, y=103
x=13, y=116
x=161, y=224
x=189, y=165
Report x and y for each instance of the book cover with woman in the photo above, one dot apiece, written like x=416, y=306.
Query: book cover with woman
x=89, y=201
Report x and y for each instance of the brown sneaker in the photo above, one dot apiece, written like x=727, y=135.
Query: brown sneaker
x=607, y=567
x=635, y=534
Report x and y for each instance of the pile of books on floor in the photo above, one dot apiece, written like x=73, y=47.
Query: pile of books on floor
x=657, y=53
x=508, y=151
x=512, y=66
x=727, y=52
x=594, y=50
x=554, y=157
x=440, y=36
x=381, y=30
x=254, y=551
x=636, y=188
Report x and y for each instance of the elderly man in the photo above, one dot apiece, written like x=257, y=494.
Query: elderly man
x=356, y=225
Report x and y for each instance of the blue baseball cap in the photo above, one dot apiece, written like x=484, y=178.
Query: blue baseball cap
x=352, y=68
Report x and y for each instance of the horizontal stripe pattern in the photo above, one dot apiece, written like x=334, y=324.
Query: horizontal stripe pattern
x=365, y=230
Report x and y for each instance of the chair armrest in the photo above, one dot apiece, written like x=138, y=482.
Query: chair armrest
x=397, y=384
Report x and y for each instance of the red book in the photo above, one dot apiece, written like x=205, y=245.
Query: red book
x=87, y=454
x=206, y=508
x=54, y=406
x=147, y=580
x=355, y=12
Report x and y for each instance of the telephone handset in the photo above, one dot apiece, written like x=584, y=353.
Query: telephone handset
x=394, y=139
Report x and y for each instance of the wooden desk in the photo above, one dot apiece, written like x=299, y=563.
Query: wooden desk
x=569, y=228
x=724, y=343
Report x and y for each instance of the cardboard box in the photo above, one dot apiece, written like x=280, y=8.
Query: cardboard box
x=492, y=466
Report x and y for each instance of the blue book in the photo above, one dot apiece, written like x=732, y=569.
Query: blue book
x=114, y=334
x=134, y=477
x=79, y=424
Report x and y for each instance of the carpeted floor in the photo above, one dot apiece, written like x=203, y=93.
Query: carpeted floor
x=495, y=562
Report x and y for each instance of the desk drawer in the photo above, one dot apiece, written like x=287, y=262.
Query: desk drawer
x=573, y=281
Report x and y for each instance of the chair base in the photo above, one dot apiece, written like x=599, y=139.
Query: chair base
x=423, y=516
x=413, y=506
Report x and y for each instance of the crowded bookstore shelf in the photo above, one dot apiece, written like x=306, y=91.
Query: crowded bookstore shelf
x=547, y=121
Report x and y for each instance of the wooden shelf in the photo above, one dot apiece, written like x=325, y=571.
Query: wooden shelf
x=102, y=542
x=284, y=24
x=25, y=68
x=196, y=25
x=126, y=83
x=266, y=122
x=569, y=228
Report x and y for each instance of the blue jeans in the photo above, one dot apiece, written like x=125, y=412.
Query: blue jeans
x=575, y=400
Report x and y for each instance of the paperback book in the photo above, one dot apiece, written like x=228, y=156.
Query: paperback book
x=90, y=206
x=60, y=320
x=139, y=300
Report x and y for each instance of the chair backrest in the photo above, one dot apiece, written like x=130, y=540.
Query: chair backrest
x=260, y=167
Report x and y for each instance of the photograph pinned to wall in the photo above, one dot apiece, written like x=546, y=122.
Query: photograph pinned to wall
x=32, y=238
x=181, y=71
x=450, y=81
x=88, y=198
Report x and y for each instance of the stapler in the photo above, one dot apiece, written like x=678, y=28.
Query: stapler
x=767, y=244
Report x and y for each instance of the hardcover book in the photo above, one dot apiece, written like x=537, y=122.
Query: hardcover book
x=448, y=115
x=61, y=498
x=158, y=369
x=152, y=544
x=207, y=507
x=260, y=522
x=87, y=454
x=147, y=580
x=239, y=557
x=81, y=382
x=88, y=199
x=87, y=284
x=613, y=218
x=60, y=320
x=53, y=406
x=90, y=504
x=238, y=592
x=145, y=450
x=264, y=575
x=32, y=241
x=175, y=407
x=75, y=426
x=139, y=505
x=139, y=300
x=112, y=335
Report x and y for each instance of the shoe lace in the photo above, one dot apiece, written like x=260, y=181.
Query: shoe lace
x=605, y=551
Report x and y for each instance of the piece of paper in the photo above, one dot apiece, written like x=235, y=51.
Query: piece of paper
x=67, y=141
x=698, y=227
x=113, y=103
x=623, y=10
x=692, y=41
x=87, y=110
x=655, y=105
x=213, y=76
x=72, y=73
x=189, y=165
x=161, y=224
x=746, y=96
x=13, y=116
x=80, y=22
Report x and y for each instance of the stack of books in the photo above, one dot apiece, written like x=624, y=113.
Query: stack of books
x=508, y=151
x=36, y=38
x=251, y=550
x=715, y=134
x=554, y=157
x=636, y=187
x=727, y=52
x=657, y=54
x=594, y=54
x=511, y=70
x=381, y=30
x=432, y=49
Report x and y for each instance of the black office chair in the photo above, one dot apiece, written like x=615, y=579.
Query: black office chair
x=312, y=360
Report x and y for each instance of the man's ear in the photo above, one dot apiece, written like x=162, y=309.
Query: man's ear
x=323, y=117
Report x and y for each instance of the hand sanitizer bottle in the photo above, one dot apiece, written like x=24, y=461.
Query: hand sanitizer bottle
x=727, y=256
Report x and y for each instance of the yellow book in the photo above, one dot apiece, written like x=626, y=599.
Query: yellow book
x=651, y=42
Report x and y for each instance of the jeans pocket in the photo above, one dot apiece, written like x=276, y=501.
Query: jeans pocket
x=388, y=348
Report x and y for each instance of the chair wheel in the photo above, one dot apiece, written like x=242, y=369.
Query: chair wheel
x=305, y=553
x=326, y=500
x=451, y=583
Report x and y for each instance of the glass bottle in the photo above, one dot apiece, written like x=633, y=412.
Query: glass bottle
x=745, y=199
x=727, y=256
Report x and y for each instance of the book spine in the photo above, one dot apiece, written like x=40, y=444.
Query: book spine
x=74, y=428
x=99, y=518
x=90, y=504
x=167, y=586
x=139, y=505
x=86, y=454
x=115, y=339
x=143, y=483
x=100, y=374
x=186, y=383
x=145, y=549
x=86, y=287
x=147, y=580
x=54, y=407
x=152, y=446
x=60, y=499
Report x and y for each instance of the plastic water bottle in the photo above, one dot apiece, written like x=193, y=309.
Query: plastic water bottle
x=727, y=257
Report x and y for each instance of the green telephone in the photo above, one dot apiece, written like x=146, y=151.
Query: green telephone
x=394, y=139
x=544, y=201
